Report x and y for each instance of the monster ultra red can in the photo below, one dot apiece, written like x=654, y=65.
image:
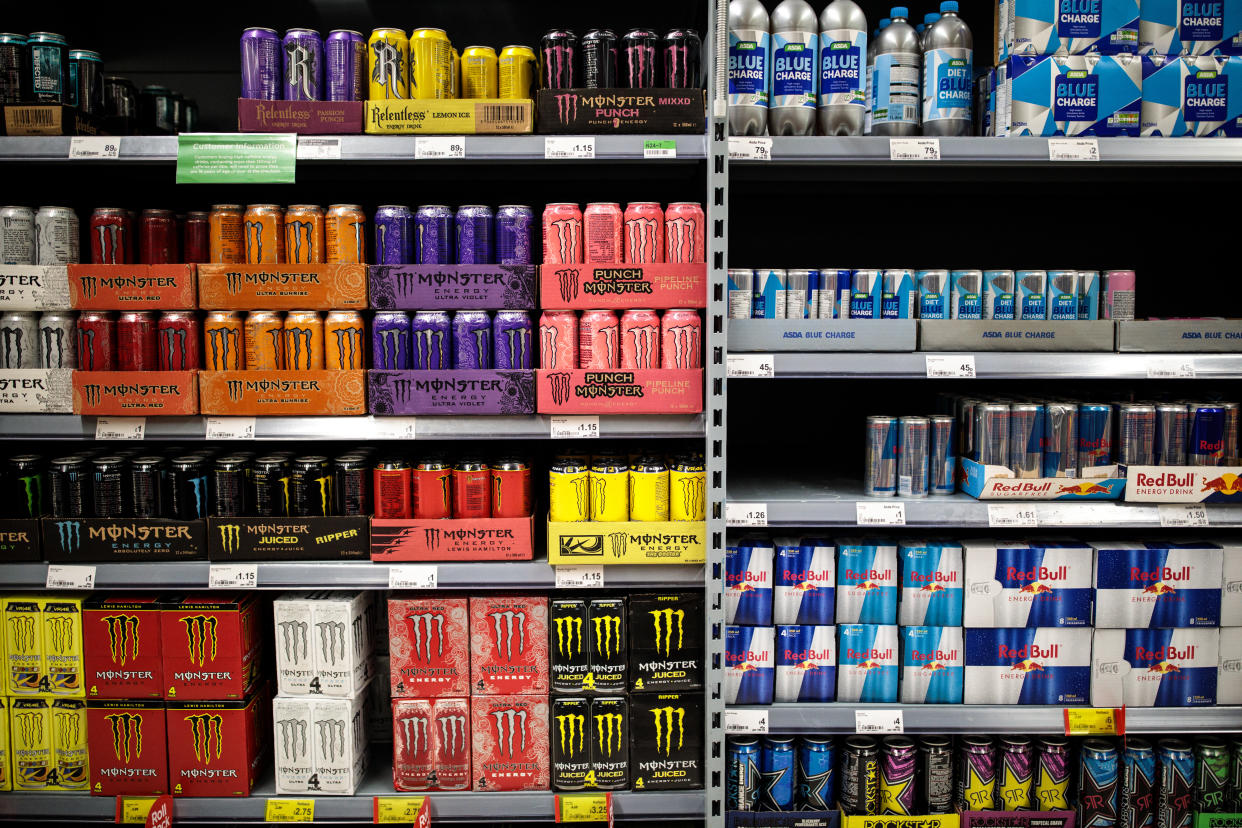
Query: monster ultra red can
x=180, y=341
x=112, y=236
x=135, y=341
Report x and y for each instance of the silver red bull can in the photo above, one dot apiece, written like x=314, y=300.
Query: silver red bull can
x=558, y=339
x=597, y=340
x=685, y=233
x=681, y=339
x=640, y=339
x=562, y=234
x=644, y=232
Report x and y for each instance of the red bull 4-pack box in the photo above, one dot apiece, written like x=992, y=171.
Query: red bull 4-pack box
x=1154, y=668
x=1049, y=665
x=866, y=581
x=867, y=663
x=750, y=671
x=932, y=663
x=1036, y=584
x=805, y=588
x=806, y=663
x=1149, y=585
x=748, y=581
x=931, y=577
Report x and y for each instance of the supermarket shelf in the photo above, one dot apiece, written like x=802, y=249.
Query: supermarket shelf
x=967, y=718
x=351, y=575
x=1001, y=365
x=386, y=149
x=73, y=427
x=834, y=503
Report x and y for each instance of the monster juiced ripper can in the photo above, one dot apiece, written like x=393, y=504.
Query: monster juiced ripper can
x=571, y=743
x=607, y=618
x=69, y=744
x=610, y=743
x=571, y=647
x=31, y=738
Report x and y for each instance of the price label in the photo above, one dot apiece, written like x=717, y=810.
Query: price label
x=393, y=428
x=230, y=428
x=94, y=146
x=1073, y=149
x=584, y=807
x=1171, y=369
x=879, y=721
x=950, y=366
x=746, y=514
x=1092, y=721
x=133, y=810
x=579, y=577
x=881, y=514
x=913, y=149
x=659, y=148
x=412, y=576
x=580, y=427
x=1182, y=515
x=318, y=149
x=746, y=721
x=233, y=576
x=749, y=149
x=436, y=147
x=404, y=809
x=569, y=146
x=120, y=428
x=1012, y=514
x=70, y=577
x=289, y=810
x=751, y=366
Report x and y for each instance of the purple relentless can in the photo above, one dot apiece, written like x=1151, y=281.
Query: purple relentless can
x=475, y=237
x=599, y=59
x=472, y=339
x=347, y=65
x=683, y=52
x=432, y=340
x=390, y=341
x=303, y=52
x=260, y=64
x=433, y=225
x=511, y=339
x=513, y=234
x=638, y=49
x=558, y=56
x=897, y=759
x=394, y=235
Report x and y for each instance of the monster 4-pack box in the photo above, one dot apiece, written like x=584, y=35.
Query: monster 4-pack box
x=121, y=647
x=429, y=646
x=211, y=644
x=666, y=641
x=508, y=644
x=214, y=746
x=431, y=742
x=510, y=741
x=324, y=642
x=320, y=744
x=666, y=741
x=126, y=739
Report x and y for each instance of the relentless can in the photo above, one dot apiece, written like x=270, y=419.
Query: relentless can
x=96, y=341
x=394, y=235
x=85, y=82
x=1026, y=437
x=303, y=338
x=345, y=234
x=19, y=340
x=136, y=341
x=303, y=65
x=569, y=491
x=433, y=489
x=433, y=226
x=742, y=774
x=431, y=64
x=608, y=483
x=346, y=62
x=935, y=775
x=476, y=242
x=261, y=64
x=1098, y=773
x=224, y=341
x=1137, y=793
x=1095, y=435
x=472, y=489
x=601, y=229
x=880, y=471
x=265, y=341
x=472, y=339
x=263, y=225
x=351, y=485
x=685, y=233
x=644, y=232
x=860, y=777
x=599, y=59
x=912, y=456
x=517, y=72
x=648, y=481
x=108, y=486
x=479, y=72
x=639, y=50
x=562, y=234
x=343, y=332
x=976, y=774
x=304, y=234
x=514, y=245
x=431, y=341
x=269, y=477
x=17, y=232
x=512, y=332
x=230, y=486
x=49, y=67
x=1052, y=774
x=388, y=61
x=111, y=231
x=777, y=772
x=226, y=236
x=558, y=59
x=897, y=762
x=56, y=236
x=310, y=487
x=683, y=50
x=1211, y=781
x=681, y=339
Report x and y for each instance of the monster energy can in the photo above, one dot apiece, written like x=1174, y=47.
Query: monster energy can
x=229, y=481
x=608, y=646
x=570, y=649
x=69, y=488
x=187, y=487
x=19, y=340
x=351, y=485
x=608, y=481
x=269, y=479
x=109, y=486
x=571, y=748
x=310, y=487
x=569, y=493
x=649, y=489
x=69, y=744
x=146, y=487
x=17, y=235
x=58, y=340
x=610, y=742
x=687, y=489
x=30, y=729
x=23, y=488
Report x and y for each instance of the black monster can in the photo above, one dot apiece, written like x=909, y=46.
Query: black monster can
x=638, y=49
x=599, y=59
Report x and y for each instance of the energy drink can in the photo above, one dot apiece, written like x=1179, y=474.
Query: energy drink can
x=817, y=779
x=777, y=771
x=226, y=234
x=608, y=653
x=69, y=744
x=303, y=337
x=390, y=341
x=860, y=777
x=741, y=293
x=1016, y=774
x=472, y=339
x=1095, y=435
x=50, y=67
x=433, y=490
x=1205, y=437
x=56, y=236
x=742, y=775
x=346, y=62
x=351, y=485
x=640, y=339
x=1176, y=784
x=687, y=489
x=769, y=299
x=62, y=646
x=644, y=232
x=431, y=64
x=394, y=235
x=265, y=341
x=998, y=294
x=1089, y=294
x=57, y=332
x=135, y=341
x=608, y=481
x=1172, y=426
x=898, y=758
x=146, y=487
x=599, y=59
x=1231, y=431
x=935, y=775
x=223, y=341
x=112, y=236
x=304, y=234
x=180, y=341
x=69, y=488
x=1052, y=774
x=511, y=488
x=639, y=61
x=475, y=233
x=1211, y=783
x=24, y=487
x=976, y=774
x=880, y=472
x=1060, y=439
x=263, y=225
x=681, y=333
x=17, y=243
x=598, y=335
x=392, y=484
x=1098, y=775
x=303, y=65
x=649, y=479
x=345, y=234
x=797, y=293
x=310, y=487
x=517, y=72
x=912, y=456
x=1062, y=294
x=514, y=245
x=472, y=489
x=610, y=742
x=19, y=340
x=827, y=302
x=685, y=233
x=1235, y=776
x=388, y=60
x=269, y=479
x=942, y=460
x=1136, y=434
x=1032, y=294
x=569, y=492
x=966, y=297
x=1137, y=793
x=187, y=488
x=32, y=734
x=433, y=227
x=571, y=648
x=1118, y=295
x=229, y=485
x=108, y=486
x=343, y=330
x=933, y=294
x=558, y=339
x=992, y=433
x=478, y=72
x=602, y=224
x=1026, y=437
x=562, y=234
x=571, y=749
x=864, y=302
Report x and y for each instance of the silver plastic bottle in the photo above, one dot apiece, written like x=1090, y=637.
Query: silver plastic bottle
x=948, y=74
x=795, y=45
x=842, y=68
x=898, y=60
x=750, y=67
x=884, y=21
x=928, y=20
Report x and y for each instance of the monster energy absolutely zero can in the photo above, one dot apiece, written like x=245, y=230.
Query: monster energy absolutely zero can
x=229, y=482
x=187, y=487
x=69, y=488
x=310, y=487
x=109, y=486
x=146, y=487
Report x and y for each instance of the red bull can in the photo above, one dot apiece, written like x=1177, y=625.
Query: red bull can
x=1095, y=435
x=897, y=762
x=976, y=774
x=1136, y=434
x=749, y=670
x=1206, y=437
x=1137, y=806
x=1176, y=785
x=805, y=589
x=1060, y=440
x=941, y=454
x=806, y=663
x=777, y=774
x=912, y=456
x=992, y=433
x=742, y=781
x=880, y=472
x=748, y=582
x=1171, y=430
x=1098, y=773
x=1026, y=438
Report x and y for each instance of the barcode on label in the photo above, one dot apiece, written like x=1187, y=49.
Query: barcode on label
x=32, y=117
x=495, y=113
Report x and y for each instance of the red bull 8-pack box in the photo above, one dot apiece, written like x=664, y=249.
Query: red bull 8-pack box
x=1154, y=668
x=1154, y=585
x=1027, y=584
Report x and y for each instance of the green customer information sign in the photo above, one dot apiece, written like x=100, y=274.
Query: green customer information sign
x=227, y=158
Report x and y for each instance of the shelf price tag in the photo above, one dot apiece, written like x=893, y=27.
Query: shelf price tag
x=393, y=428
x=1073, y=149
x=879, y=721
x=913, y=149
x=1012, y=514
x=594, y=807
x=1183, y=515
x=412, y=576
x=750, y=366
x=880, y=514
x=120, y=428
x=1171, y=369
x=402, y=809
x=951, y=366
x=289, y=810
x=1095, y=721
x=579, y=577
x=318, y=148
x=230, y=428
x=233, y=576
x=659, y=148
x=132, y=810
x=742, y=148
x=746, y=514
x=437, y=147
x=94, y=146
x=578, y=427
x=569, y=146
x=70, y=577
x=746, y=721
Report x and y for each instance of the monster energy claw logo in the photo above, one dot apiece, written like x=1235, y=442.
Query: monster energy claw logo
x=510, y=725
x=646, y=339
x=559, y=385
x=126, y=735
x=452, y=734
x=668, y=719
x=69, y=533
x=608, y=729
x=607, y=635
x=567, y=280
x=680, y=237
x=618, y=541
x=331, y=739
x=22, y=633
x=567, y=107
x=349, y=347
x=300, y=70
x=122, y=637
x=568, y=635
x=30, y=727
x=11, y=345
x=424, y=626
x=292, y=738
x=413, y=735
x=517, y=341
x=59, y=633
x=331, y=638
x=663, y=620
x=293, y=636
x=503, y=624
x=298, y=341
x=172, y=341
x=571, y=730
x=200, y=636
x=68, y=731
x=685, y=345
x=108, y=243
x=225, y=345
x=230, y=533
x=56, y=344
x=295, y=232
x=692, y=492
x=206, y=730
x=394, y=345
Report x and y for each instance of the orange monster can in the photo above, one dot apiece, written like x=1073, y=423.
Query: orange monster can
x=224, y=341
x=264, y=229
x=304, y=234
x=226, y=234
x=303, y=340
x=346, y=235
x=265, y=341
x=343, y=338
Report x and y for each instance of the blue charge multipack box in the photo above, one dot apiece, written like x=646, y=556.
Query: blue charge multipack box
x=1197, y=96
x=1068, y=27
x=1190, y=27
x=1051, y=95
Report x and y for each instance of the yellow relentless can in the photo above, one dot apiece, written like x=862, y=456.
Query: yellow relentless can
x=30, y=734
x=23, y=646
x=648, y=489
x=478, y=72
x=455, y=76
x=516, y=72
x=569, y=495
x=6, y=767
x=688, y=490
x=62, y=646
x=69, y=744
x=431, y=64
x=388, y=59
x=610, y=490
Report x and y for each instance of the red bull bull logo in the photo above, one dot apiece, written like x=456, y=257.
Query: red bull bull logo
x=867, y=585
x=1164, y=667
x=1157, y=577
x=1027, y=665
x=1086, y=489
x=1226, y=484
x=932, y=588
x=1035, y=588
x=1039, y=573
x=932, y=666
x=1159, y=588
x=1029, y=653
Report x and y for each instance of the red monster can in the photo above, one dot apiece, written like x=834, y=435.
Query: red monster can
x=601, y=228
x=96, y=341
x=413, y=764
x=558, y=339
x=644, y=232
x=640, y=339
x=562, y=234
x=112, y=232
x=451, y=718
x=392, y=484
x=433, y=485
x=597, y=340
x=135, y=341
x=472, y=489
x=685, y=233
x=196, y=247
x=511, y=491
x=180, y=341
x=681, y=335
x=157, y=237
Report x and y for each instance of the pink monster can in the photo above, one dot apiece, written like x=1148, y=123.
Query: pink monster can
x=558, y=339
x=601, y=230
x=681, y=335
x=644, y=232
x=597, y=340
x=562, y=234
x=685, y=233
x=640, y=339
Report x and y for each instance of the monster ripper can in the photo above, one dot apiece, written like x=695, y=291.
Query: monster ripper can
x=351, y=485
x=569, y=498
x=571, y=746
x=310, y=487
x=610, y=743
x=608, y=646
x=570, y=645
x=31, y=735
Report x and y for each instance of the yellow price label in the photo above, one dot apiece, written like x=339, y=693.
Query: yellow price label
x=583, y=807
x=289, y=810
x=1095, y=721
x=134, y=809
x=398, y=808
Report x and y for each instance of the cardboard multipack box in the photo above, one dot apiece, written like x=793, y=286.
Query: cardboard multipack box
x=453, y=539
x=1019, y=584
x=431, y=743
x=211, y=644
x=282, y=286
x=1154, y=668
x=608, y=391
x=588, y=286
x=36, y=391
x=132, y=286
x=452, y=287
x=622, y=111
x=34, y=287
x=511, y=749
x=301, y=117
x=508, y=644
x=1229, y=675
x=429, y=646
x=456, y=116
x=1231, y=584
x=121, y=637
x=320, y=744
x=19, y=539
x=295, y=538
x=1162, y=584
x=1070, y=95
x=49, y=119
x=1192, y=96
x=627, y=542
x=1030, y=665
x=988, y=482
x=456, y=391
x=82, y=540
x=216, y=748
x=1184, y=484
x=135, y=393
x=126, y=740
x=321, y=392
x=325, y=642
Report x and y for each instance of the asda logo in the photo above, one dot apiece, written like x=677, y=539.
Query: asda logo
x=746, y=45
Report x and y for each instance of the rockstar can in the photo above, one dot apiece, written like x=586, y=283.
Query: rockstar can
x=897, y=761
x=1052, y=774
x=976, y=774
x=1016, y=775
x=860, y=777
x=1136, y=807
x=1097, y=784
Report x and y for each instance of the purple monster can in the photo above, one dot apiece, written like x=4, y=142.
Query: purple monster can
x=260, y=64
x=432, y=341
x=475, y=236
x=394, y=235
x=683, y=51
x=514, y=237
x=472, y=339
x=347, y=65
x=390, y=341
x=558, y=58
x=303, y=52
x=433, y=224
x=638, y=50
x=511, y=339
x=897, y=760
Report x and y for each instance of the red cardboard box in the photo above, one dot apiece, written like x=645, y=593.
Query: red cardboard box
x=645, y=391
x=135, y=393
x=282, y=286
x=511, y=750
x=211, y=644
x=302, y=117
x=480, y=539
x=126, y=744
x=431, y=744
x=283, y=393
x=508, y=644
x=213, y=746
x=429, y=647
x=132, y=287
x=121, y=647
x=586, y=286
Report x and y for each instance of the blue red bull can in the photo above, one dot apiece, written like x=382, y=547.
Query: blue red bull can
x=867, y=582
x=1137, y=808
x=1098, y=775
x=1095, y=436
x=777, y=770
x=933, y=663
x=750, y=673
x=1176, y=784
x=931, y=583
x=817, y=778
x=806, y=663
x=748, y=582
x=806, y=583
x=742, y=775
x=941, y=451
x=1205, y=445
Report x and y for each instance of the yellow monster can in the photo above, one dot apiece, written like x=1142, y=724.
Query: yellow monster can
x=69, y=744
x=609, y=482
x=455, y=76
x=688, y=490
x=478, y=72
x=516, y=73
x=388, y=62
x=6, y=767
x=648, y=489
x=569, y=495
x=23, y=646
x=30, y=732
x=62, y=646
x=431, y=64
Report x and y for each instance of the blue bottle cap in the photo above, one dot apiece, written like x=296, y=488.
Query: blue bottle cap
x=930, y=18
x=899, y=11
x=884, y=22
x=948, y=6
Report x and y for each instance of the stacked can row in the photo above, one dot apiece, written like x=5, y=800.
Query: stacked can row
x=642, y=234
x=466, y=339
x=641, y=338
x=615, y=487
x=592, y=62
